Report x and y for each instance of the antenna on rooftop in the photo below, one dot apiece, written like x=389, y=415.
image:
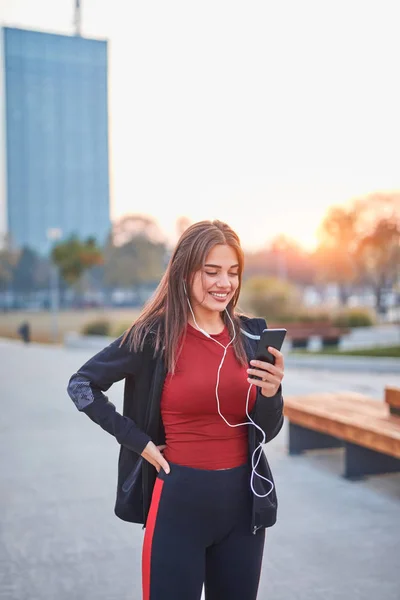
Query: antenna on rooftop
x=77, y=20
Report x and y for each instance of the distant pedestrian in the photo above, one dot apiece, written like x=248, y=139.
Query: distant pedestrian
x=188, y=470
x=24, y=331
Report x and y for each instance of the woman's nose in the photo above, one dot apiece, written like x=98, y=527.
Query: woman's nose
x=223, y=281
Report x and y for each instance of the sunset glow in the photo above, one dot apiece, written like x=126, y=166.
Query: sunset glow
x=261, y=116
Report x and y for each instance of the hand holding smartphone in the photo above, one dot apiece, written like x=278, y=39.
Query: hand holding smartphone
x=269, y=337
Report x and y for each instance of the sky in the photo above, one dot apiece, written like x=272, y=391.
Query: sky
x=258, y=113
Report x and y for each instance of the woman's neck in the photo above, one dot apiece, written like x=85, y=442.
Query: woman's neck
x=212, y=323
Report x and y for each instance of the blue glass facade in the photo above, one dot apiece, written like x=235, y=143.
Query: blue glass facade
x=56, y=136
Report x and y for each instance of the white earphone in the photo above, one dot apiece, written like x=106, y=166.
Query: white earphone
x=259, y=449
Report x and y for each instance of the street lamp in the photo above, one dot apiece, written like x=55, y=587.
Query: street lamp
x=54, y=234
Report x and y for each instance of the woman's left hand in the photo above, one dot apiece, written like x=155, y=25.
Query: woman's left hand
x=271, y=375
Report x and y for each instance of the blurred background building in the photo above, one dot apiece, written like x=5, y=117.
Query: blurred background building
x=54, y=138
x=325, y=248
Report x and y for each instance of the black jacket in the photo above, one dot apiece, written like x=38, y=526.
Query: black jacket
x=141, y=422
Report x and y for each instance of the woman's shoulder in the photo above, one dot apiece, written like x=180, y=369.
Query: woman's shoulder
x=255, y=325
x=142, y=340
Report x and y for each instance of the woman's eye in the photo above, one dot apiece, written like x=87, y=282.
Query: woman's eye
x=230, y=274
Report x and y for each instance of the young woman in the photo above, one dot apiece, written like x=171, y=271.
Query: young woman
x=191, y=465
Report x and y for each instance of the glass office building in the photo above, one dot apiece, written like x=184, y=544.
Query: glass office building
x=55, y=137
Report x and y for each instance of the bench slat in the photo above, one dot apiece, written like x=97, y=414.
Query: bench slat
x=348, y=416
x=392, y=398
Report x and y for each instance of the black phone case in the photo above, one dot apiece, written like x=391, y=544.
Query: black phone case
x=270, y=337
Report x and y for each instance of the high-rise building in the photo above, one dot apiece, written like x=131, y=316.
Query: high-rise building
x=54, y=160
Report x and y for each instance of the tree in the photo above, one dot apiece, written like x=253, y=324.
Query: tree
x=135, y=253
x=372, y=208
x=25, y=272
x=7, y=262
x=359, y=244
x=378, y=217
x=73, y=257
x=269, y=297
x=291, y=262
x=283, y=258
x=335, y=255
x=137, y=262
x=378, y=255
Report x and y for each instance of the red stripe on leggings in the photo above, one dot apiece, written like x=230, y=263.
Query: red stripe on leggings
x=148, y=537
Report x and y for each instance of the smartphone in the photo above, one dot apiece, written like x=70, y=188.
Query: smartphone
x=269, y=337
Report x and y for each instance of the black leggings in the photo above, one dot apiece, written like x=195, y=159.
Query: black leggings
x=198, y=531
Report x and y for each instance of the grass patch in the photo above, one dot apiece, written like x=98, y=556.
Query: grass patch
x=387, y=352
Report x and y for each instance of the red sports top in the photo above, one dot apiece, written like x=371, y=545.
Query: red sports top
x=196, y=435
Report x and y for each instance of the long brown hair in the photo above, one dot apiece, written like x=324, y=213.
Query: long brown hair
x=166, y=313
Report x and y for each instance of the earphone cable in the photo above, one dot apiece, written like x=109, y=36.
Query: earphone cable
x=259, y=448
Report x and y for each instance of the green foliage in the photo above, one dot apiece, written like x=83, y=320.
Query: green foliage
x=135, y=254
x=390, y=351
x=269, y=297
x=346, y=317
x=106, y=327
x=8, y=260
x=26, y=270
x=136, y=262
x=98, y=327
x=387, y=352
x=74, y=257
x=354, y=317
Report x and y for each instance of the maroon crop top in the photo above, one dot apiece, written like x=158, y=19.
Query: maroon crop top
x=196, y=435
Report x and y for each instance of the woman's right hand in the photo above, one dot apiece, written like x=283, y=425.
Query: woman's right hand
x=152, y=454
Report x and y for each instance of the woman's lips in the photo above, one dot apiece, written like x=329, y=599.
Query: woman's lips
x=220, y=297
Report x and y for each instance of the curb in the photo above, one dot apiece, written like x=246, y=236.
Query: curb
x=86, y=342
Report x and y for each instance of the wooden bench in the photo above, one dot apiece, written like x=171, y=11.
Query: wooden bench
x=330, y=336
x=366, y=428
x=392, y=398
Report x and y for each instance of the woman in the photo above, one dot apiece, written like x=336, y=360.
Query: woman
x=191, y=466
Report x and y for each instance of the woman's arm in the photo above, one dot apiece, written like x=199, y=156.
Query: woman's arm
x=268, y=414
x=96, y=376
x=268, y=409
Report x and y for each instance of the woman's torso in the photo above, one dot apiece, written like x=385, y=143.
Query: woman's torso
x=196, y=435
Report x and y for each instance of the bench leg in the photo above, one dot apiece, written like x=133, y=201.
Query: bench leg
x=301, y=438
x=360, y=461
x=300, y=343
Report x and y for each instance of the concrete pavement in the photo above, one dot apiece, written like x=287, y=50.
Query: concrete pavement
x=59, y=538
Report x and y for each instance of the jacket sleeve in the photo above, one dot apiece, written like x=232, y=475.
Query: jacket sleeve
x=87, y=386
x=268, y=414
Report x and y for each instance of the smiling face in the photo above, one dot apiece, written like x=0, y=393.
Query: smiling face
x=215, y=284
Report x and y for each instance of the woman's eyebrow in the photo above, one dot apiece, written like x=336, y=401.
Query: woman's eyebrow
x=219, y=266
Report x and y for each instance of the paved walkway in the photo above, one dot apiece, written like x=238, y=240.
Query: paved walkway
x=59, y=538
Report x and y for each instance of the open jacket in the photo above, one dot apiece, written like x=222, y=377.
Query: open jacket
x=141, y=422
